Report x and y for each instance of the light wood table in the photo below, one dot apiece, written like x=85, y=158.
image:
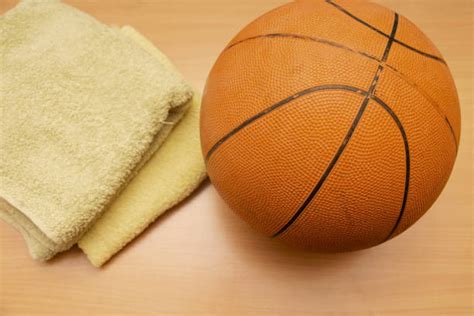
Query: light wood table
x=201, y=259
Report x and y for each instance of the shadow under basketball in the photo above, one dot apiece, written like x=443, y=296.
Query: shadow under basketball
x=257, y=249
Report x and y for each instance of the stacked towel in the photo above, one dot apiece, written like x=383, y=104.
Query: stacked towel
x=83, y=108
x=173, y=173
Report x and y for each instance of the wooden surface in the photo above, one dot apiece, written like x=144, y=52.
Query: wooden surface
x=202, y=259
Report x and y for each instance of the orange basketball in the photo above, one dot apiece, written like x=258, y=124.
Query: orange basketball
x=331, y=125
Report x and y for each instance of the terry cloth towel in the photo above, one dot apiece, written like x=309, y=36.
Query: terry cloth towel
x=83, y=107
x=173, y=172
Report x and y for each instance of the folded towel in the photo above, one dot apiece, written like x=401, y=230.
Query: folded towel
x=82, y=109
x=170, y=175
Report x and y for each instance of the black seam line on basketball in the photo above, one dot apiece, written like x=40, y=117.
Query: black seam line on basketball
x=321, y=41
x=383, y=33
x=397, y=121
x=433, y=103
x=452, y=132
x=349, y=134
x=402, y=131
x=328, y=170
x=304, y=37
x=391, y=38
x=337, y=45
x=434, y=57
x=407, y=162
x=278, y=105
x=336, y=157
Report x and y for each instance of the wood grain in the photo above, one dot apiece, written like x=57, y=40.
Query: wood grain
x=201, y=259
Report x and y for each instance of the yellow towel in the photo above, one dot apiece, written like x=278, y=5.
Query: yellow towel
x=82, y=109
x=174, y=171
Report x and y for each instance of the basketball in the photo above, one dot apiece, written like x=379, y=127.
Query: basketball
x=330, y=125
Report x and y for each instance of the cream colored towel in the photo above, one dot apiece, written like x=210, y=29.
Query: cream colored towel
x=174, y=171
x=82, y=109
x=171, y=175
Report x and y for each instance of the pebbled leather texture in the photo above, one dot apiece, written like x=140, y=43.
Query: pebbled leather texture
x=331, y=125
